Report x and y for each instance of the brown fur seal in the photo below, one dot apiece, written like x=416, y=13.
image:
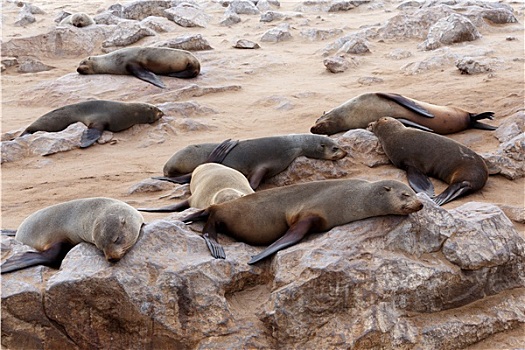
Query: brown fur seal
x=256, y=158
x=111, y=225
x=79, y=19
x=211, y=183
x=97, y=115
x=421, y=153
x=366, y=108
x=282, y=216
x=144, y=63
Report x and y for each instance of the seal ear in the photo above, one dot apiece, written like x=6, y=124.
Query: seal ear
x=387, y=188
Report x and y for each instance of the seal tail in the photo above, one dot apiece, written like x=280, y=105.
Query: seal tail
x=51, y=257
x=8, y=232
x=200, y=215
x=475, y=124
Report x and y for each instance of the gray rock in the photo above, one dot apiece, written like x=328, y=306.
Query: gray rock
x=358, y=38
x=511, y=127
x=367, y=81
x=139, y=10
x=478, y=65
x=188, y=16
x=345, y=5
x=509, y=159
x=243, y=7
x=190, y=42
x=267, y=5
x=277, y=34
x=442, y=57
x=270, y=16
x=339, y=64
x=328, y=5
x=230, y=18
x=158, y=24
x=450, y=30
x=109, y=18
x=399, y=54
x=150, y=185
x=31, y=65
x=185, y=109
x=481, y=16
x=516, y=214
x=245, y=44
x=356, y=46
x=25, y=17
x=320, y=34
x=409, y=4
x=127, y=33
x=9, y=61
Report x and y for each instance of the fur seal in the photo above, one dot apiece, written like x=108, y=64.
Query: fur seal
x=366, y=108
x=211, y=183
x=255, y=158
x=79, y=19
x=144, y=63
x=111, y=225
x=420, y=153
x=97, y=115
x=282, y=216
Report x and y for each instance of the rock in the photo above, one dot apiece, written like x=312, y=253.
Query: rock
x=139, y=10
x=243, y=7
x=367, y=81
x=338, y=64
x=409, y=4
x=185, y=109
x=478, y=65
x=150, y=185
x=270, y=16
x=267, y=5
x=480, y=16
x=442, y=57
x=62, y=15
x=127, y=33
x=230, y=18
x=25, y=17
x=357, y=40
x=399, y=54
x=345, y=5
x=245, y=44
x=508, y=159
x=158, y=24
x=516, y=214
x=277, y=34
x=30, y=65
x=9, y=61
x=187, y=16
x=328, y=5
x=190, y=42
x=356, y=46
x=109, y=18
x=511, y=127
x=450, y=30
x=320, y=34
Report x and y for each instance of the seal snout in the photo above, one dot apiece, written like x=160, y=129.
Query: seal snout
x=413, y=206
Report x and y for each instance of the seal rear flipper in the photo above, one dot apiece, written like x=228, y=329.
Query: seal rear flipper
x=221, y=151
x=183, y=179
x=144, y=74
x=90, y=136
x=408, y=104
x=419, y=181
x=295, y=233
x=216, y=250
x=51, y=257
x=8, y=232
x=475, y=124
x=452, y=192
x=412, y=124
x=169, y=208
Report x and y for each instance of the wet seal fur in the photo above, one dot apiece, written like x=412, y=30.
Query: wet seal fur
x=366, y=108
x=111, y=225
x=421, y=153
x=97, y=115
x=257, y=158
x=144, y=63
x=282, y=216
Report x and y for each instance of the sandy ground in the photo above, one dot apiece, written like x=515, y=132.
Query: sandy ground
x=291, y=71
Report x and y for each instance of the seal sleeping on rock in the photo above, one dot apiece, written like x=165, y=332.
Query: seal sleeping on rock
x=144, y=63
x=211, y=183
x=111, y=225
x=256, y=158
x=282, y=216
x=366, y=108
x=97, y=115
x=421, y=153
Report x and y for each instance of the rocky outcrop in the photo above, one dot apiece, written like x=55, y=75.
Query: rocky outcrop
x=438, y=278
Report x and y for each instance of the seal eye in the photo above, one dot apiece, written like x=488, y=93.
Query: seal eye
x=404, y=194
x=117, y=240
x=387, y=188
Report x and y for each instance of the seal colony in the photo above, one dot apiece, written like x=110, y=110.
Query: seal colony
x=144, y=63
x=97, y=115
x=420, y=153
x=359, y=111
x=257, y=158
x=111, y=225
x=282, y=216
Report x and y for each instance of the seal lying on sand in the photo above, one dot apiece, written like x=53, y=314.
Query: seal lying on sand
x=282, y=216
x=421, y=153
x=366, y=108
x=97, y=115
x=211, y=183
x=144, y=63
x=256, y=158
x=111, y=225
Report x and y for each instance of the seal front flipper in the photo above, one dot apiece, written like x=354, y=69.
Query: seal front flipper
x=410, y=123
x=51, y=257
x=475, y=124
x=419, y=181
x=452, y=192
x=144, y=74
x=257, y=176
x=408, y=104
x=183, y=179
x=91, y=135
x=295, y=233
x=221, y=151
x=169, y=208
